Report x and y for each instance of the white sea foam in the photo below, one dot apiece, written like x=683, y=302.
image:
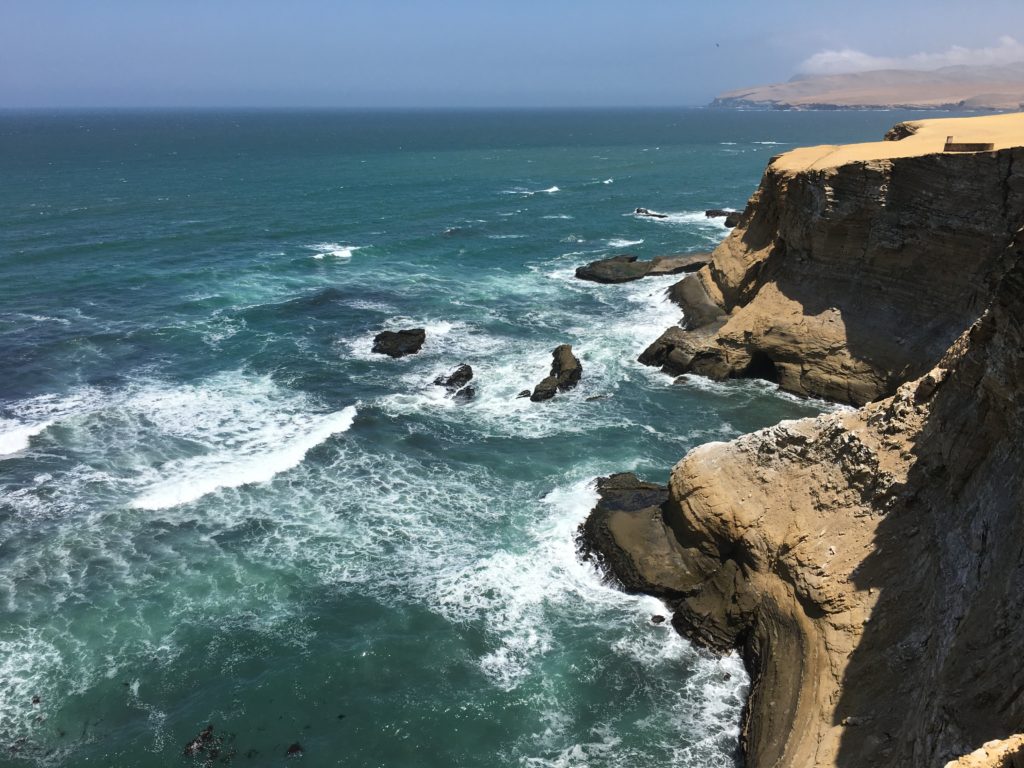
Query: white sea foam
x=608, y=181
x=564, y=216
x=333, y=250
x=771, y=143
x=525, y=192
x=15, y=436
x=252, y=458
x=623, y=243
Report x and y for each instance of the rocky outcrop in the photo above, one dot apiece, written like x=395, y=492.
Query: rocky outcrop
x=732, y=218
x=566, y=371
x=457, y=383
x=399, y=343
x=869, y=564
x=853, y=269
x=1005, y=753
x=625, y=267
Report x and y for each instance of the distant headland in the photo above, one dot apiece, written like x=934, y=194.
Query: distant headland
x=995, y=88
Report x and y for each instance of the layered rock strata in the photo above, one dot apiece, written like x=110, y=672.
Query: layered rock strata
x=869, y=564
x=626, y=267
x=854, y=268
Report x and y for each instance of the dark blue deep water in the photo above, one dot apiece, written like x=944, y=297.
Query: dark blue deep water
x=217, y=507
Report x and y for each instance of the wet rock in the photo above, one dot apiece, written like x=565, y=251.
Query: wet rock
x=207, y=748
x=546, y=390
x=524, y=393
x=595, y=398
x=650, y=213
x=464, y=395
x=625, y=267
x=657, y=619
x=455, y=380
x=399, y=343
x=732, y=218
x=616, y=269
x=566, y=371
x=295, y=750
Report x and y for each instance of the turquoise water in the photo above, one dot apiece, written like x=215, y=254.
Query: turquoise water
x=218, y=507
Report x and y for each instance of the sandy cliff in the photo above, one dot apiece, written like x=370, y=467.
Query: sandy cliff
x=855, y=267
x=868, y=563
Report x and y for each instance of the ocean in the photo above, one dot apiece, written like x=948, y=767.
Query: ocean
x=218, y=508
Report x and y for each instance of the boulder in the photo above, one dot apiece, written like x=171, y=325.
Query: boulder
x=455, y=380
x=566, y=371
x=616, y=269
x=399, y=343
x=465, y=394
x=651, y=214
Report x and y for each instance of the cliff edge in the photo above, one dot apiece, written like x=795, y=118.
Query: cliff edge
x=853, y=268
x=869, y=564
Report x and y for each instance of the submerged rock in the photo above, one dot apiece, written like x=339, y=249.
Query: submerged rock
x=399, y=343
x=524, y=393
x=465, y=394
x=566, y=371
x=295, y=750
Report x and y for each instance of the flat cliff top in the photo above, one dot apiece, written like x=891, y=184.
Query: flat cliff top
x=928, y=137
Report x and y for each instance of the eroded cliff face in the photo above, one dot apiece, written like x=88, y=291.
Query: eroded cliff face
x=844, y=281
x=869, y=563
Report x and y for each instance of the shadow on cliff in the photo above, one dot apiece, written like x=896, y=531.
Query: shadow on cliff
x=938, y=669
x=893, y=258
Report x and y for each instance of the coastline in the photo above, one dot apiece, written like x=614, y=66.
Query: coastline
x=793, y=543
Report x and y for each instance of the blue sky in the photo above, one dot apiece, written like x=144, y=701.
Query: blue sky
x=458, y=53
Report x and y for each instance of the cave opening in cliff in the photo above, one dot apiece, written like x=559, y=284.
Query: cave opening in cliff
x=761, y=367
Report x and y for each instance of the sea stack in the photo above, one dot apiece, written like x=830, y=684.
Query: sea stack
x=566, y=371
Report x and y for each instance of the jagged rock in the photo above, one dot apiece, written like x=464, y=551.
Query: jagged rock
x=625, y=267
x=524, y=393
x=867, y=563
x=464, y=395
x=456, y=379
x=657, y=619
x=399, y=343
x=845, y=279
x=545, y=390
x=566, y=371
x=1004, y=753
x=732, y=218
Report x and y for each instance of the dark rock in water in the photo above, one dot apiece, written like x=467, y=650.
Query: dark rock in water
x=547, y=389
x=566, y=371
x=595, y=398
x=732, y=218
x=616, y=269
x=399, y=343
x=652, y=214
x=465, y=394
x=698, y=308
x=524, y=393
x=208, y=748
x=625, y=268
x=657, y=619
x=295, y=750
x=37, y=699
x=456, y=379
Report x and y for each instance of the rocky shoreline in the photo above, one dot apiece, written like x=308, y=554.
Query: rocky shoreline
x=866, y=563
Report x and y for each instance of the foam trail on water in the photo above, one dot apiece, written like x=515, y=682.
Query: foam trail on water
x=261, y=460
x=619, y=242
x=14, y=437
x=334, y=250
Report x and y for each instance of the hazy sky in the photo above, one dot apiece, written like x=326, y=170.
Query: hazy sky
x=467, y=53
